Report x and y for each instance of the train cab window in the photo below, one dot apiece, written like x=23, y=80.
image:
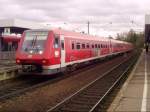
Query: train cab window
x=34, y=41
x=78, y=45
x=73, y=46
x=83, y=46
x=56, y=42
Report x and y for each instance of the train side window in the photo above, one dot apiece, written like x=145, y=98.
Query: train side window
x=83, y=46
x=101, y=46
x=73, y=46
x=87, y=46
x=78, y=45
x=56, y=42
x=92, y=46
x=95, y=45
x=98, y=46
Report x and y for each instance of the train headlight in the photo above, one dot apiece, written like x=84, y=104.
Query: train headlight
x=56, y=53
x=43, y=61
x=18, y=61
x=40, y=52
x=31, y=51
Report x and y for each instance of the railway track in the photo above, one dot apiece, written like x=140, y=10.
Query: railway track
x=21, y=86
x=25, y=84
x=90, y=97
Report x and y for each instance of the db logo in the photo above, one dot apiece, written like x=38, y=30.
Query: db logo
x=29, y=56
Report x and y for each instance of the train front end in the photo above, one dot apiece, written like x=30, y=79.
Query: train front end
x=31, y=53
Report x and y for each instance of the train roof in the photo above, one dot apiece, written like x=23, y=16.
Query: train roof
x=78, y=35
x=83, y=36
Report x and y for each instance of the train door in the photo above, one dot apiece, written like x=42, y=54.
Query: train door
x=110, y=47
x=62, y=51
x=99, y=49
x=96, y=49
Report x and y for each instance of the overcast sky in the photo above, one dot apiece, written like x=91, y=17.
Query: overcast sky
x=105, y=16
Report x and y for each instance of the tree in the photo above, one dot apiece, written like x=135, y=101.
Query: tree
x=135, y=38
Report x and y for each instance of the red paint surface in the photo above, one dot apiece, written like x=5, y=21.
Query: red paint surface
x=71, y=55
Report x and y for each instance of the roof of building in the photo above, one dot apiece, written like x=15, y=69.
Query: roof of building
x=20, y=23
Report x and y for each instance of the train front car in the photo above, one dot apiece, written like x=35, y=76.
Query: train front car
x=36, y=51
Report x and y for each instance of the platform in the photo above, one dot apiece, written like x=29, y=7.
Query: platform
x=7, y=62
x=8, y=69
x=135, y=93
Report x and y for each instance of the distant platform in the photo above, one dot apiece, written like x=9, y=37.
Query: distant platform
x=135, y=94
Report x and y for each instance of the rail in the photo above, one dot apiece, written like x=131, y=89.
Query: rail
x=91, y=95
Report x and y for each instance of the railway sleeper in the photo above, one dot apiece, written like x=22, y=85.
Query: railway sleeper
x=80, y=107
x=85, y=99
x=84, y=102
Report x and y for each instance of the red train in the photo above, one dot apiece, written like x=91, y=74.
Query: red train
x=53, y=51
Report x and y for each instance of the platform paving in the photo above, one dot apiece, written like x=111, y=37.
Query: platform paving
x=4, y=64
x=135, y=94
x=8, y=69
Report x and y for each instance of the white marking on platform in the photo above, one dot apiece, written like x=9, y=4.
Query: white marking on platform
x=144, y=100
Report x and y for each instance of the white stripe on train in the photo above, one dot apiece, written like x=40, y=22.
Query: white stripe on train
x=78, y=61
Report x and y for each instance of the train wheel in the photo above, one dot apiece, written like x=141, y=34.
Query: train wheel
x=71, y=68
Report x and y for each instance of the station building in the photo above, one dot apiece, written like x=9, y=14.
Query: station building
x=11, y=31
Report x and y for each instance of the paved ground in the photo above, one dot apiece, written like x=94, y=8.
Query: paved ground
x=8, y=69
x=135, y=96
x=7, y=63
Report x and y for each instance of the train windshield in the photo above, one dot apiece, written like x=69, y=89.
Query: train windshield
x=34, y=41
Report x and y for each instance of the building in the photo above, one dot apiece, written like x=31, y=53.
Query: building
x=10, y=35
x=147, y=28
x=11, y=31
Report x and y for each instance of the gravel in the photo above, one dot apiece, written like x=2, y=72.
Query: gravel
x=45, y=97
